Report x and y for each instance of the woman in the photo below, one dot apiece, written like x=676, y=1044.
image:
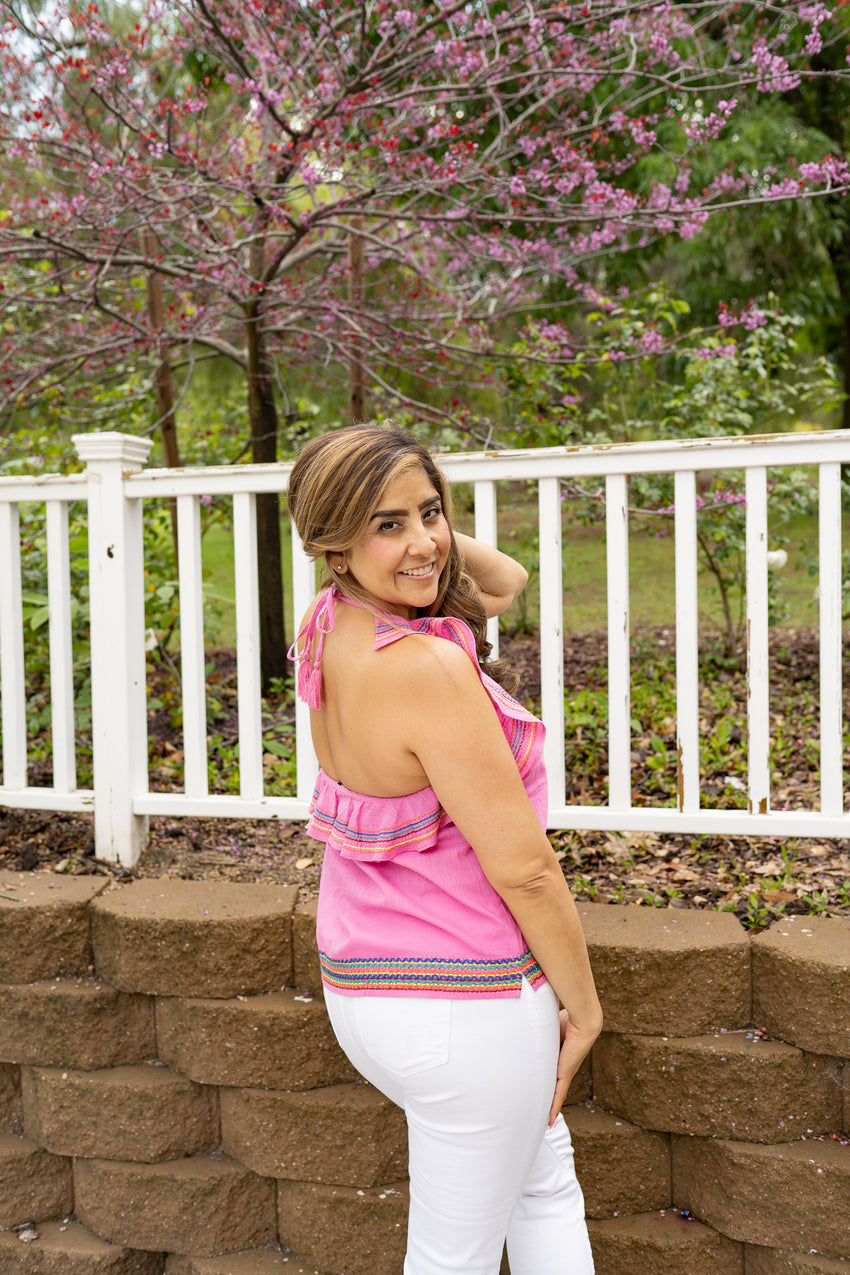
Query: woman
x=446, y=931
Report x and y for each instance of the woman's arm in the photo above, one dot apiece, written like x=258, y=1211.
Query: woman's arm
x=499, y=577
x=455, y=734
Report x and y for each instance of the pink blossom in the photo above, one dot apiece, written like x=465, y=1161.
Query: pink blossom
x=814, y=14
x=772, y=71
x=753, y=318
x=717, y=351
x=709, y=128
x=652, y=342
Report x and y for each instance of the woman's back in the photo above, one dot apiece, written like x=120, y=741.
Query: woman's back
x=361, y=732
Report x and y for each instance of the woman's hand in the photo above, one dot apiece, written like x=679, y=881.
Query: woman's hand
x=575, y=1045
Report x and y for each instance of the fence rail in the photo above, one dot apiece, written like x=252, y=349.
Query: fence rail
x=115, y=485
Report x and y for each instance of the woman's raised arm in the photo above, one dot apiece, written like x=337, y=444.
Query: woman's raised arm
x=499, y=577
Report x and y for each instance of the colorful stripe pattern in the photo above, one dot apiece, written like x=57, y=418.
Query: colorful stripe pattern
x=435, y=976
x=328, y=822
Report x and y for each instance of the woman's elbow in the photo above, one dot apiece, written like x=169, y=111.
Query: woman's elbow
x=528, y=881
x=519, y=581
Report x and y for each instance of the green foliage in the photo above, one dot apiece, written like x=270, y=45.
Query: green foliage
x=646, y=375
x=758, y=914
x=649, y=377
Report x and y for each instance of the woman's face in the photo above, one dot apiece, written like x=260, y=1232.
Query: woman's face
x=399, y=558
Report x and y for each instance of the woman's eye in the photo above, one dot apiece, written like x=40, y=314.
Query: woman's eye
x=433, y=512
x=389, y=525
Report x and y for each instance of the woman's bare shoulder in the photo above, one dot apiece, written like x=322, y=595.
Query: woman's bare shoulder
x=427, y=663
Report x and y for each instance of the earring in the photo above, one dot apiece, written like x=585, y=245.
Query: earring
x=339, y=568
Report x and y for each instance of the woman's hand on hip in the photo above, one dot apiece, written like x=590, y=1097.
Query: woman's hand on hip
x=575, y=1046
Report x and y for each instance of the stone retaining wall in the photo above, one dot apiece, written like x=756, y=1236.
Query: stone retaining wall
x=172, y=1099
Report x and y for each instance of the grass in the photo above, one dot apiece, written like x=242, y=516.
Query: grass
x=219, y=582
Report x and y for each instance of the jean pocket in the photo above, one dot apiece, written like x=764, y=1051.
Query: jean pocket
x=405, y=1036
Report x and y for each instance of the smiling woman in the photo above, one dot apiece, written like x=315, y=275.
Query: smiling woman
x=446, y=930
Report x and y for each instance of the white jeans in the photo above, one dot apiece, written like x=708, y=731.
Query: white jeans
x=475, y=1079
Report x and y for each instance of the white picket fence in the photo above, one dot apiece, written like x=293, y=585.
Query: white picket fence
x=115, y=484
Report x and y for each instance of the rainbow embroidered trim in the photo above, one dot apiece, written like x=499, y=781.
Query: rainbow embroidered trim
x=411, y=974
x=331, y=826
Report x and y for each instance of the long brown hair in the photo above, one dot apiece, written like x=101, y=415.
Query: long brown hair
x=335, y=486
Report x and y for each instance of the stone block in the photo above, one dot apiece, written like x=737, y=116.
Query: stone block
x=11, y=1106
x=33, y=1183
x=46, y=933
x=275, y=1041
x=668, y=973
x=143, y=1112
x=774, y=1261
x=271, y=1260
x=66, y=1247
x=201, y=1205
x=801, y=974
x=788, y=1195
x=340, y=1229
x=195, y=938
x=727, y=1085
x=347, y=1135
x=305, y=951
x=662, y=1243
x=621, y=1168
x=74, y=1023
x=581, y=1086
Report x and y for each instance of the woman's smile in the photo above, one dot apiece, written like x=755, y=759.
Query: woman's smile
x=419, y=571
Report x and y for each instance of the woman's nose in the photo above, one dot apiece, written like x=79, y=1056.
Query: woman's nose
x=421, y=541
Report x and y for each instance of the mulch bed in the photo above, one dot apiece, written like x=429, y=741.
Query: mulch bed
x=759, y=879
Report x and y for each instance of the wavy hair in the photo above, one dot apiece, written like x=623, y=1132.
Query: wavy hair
x=335, y=486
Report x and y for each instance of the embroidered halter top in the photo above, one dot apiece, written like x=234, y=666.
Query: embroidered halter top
x=404, y=907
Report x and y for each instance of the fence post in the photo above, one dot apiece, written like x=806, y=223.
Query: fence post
x=117, y=618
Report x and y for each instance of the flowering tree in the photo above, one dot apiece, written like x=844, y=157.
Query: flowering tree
x=798, y=249
x=250, y=154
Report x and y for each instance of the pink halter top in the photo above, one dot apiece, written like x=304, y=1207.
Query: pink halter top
x=404, y=907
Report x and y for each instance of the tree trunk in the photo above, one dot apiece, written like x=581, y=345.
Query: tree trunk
x=356, y=394
x=164, y=385
x=839, y=253
x=262, y=413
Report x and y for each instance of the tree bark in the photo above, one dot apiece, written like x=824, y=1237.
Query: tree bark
x=356, y=393
x=262, y=412
x=839, y=253
x=163, y=386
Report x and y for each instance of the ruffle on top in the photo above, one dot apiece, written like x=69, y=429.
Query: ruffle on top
x=370, y=828
x=380, y=828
